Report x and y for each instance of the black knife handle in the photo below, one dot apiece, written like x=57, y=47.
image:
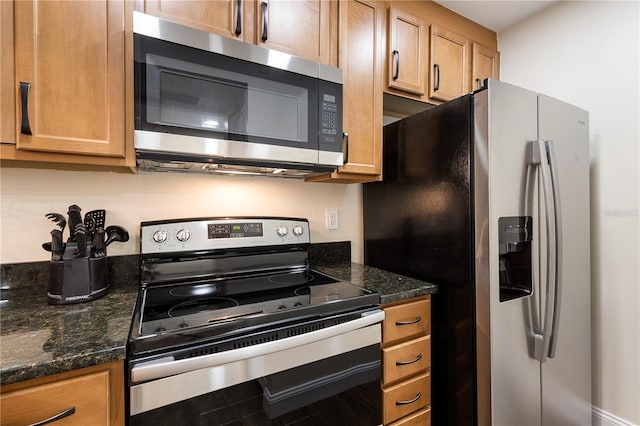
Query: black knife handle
x=238, y=30
x=75, y=218
x=396, y=60
x=436, y=69
x=265, y=19
x=25, y=127
x=62, y=415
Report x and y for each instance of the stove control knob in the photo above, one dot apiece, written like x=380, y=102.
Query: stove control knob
x=297, y=230
x=282, y=231
x=160, y=330
x=160, y=236
x=282, y=307
x=183, y=235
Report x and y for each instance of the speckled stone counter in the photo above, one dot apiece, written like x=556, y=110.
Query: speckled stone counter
x=37, y=339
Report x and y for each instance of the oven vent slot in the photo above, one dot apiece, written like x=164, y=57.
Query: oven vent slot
x=255, y=341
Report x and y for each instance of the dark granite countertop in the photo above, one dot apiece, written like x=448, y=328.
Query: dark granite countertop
x=37, y=339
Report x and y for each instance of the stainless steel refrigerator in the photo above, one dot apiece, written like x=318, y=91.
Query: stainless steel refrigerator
x=487, y=196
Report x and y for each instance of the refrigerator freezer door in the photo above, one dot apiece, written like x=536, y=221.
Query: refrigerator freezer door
x=506, y=120
x=566, y=375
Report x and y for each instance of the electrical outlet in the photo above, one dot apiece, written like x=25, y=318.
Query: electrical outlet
x=332, y=219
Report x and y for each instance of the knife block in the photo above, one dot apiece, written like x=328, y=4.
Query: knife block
x=77, y=279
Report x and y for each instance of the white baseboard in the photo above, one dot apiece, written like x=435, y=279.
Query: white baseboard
x=602, y=418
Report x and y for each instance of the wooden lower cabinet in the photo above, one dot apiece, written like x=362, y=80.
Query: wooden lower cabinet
x=89, y=396
x=406, y=363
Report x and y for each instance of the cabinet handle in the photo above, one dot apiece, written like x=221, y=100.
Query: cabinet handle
x=238, y=17
x=65, y=413
x=436, y=69
x=411, y=401
x=396, y=59
x=25, y=127
x=265, y=19
x=416, y=359
x=345, y=138
x=415, y=321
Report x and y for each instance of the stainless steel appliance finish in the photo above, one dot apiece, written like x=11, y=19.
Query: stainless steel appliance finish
x=490, y=196
x=209, y=104
x=227, y=301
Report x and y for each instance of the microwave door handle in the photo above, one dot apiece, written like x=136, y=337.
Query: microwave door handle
x=265, y=20
x=345, y=138
x=238, y=30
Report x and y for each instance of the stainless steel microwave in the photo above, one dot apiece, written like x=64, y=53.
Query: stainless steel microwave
x=206, y=103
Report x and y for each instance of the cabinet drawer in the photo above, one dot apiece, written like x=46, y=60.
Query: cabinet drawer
x=405, y=398
x=406, y=320
x=88, y=394
x=406, y=359
x=421, y=418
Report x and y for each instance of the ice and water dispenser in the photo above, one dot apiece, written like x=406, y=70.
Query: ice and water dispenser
x=514, y=240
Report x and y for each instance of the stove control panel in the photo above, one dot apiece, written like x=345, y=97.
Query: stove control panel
x=216, y=233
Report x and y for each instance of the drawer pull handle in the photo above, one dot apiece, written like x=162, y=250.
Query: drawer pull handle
x=416, y=359
x=65, y=413
x=411, y=401
x=415, y=321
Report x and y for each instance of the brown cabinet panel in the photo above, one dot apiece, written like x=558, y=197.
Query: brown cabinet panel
x=220, y=17
x=485, y=64
x=406, y=52
x=72, y=56
x=96, y=395
x=301, y=28
x=421, y=418
x=449, y=64
x=406, y=359
x=406, y=320
x=406, y=397
x=7, y=76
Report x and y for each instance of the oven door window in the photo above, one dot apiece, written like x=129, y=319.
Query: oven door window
x=196, y=93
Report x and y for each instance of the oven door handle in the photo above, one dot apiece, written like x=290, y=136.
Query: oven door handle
x=168, y=366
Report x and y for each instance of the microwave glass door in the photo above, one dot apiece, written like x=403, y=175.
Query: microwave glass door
x=188, y=91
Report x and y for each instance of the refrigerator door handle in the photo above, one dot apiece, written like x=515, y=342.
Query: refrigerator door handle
x=539, y=155
x=555, y=184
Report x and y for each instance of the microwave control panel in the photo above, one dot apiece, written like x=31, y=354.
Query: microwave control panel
x=330, y=109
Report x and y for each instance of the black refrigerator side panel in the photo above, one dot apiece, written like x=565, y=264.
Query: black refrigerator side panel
x=417, y=222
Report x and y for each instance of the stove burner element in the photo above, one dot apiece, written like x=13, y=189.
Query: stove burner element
x=296, y=278
x=201, y=305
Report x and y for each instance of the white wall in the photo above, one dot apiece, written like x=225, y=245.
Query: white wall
x=28, y=194
x=587, y=53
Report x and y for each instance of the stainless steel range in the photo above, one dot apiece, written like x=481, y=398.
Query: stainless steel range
x=229, y=306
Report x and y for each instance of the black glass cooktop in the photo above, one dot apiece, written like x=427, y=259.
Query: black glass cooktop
x=173, y=309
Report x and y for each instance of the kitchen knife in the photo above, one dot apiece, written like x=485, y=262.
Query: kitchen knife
x=81, y=239
x=98, y=243
x=57, y=246
x=75, y=218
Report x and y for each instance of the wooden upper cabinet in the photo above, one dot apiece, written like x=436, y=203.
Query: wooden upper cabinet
x=449, y=64
x=485, y=64
x=300, y=27
x=360, y=57
x=70, y=76
x=406, y=52
x=228, y=18
x=7, y=76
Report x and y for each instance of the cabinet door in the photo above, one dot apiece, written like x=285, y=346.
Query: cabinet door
x=301, y=27
x=406, y=52
x=360, y=59
x=7, y=77
x=485, y=64
x=222, y=17
x=70, y=70
x=448, y=70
